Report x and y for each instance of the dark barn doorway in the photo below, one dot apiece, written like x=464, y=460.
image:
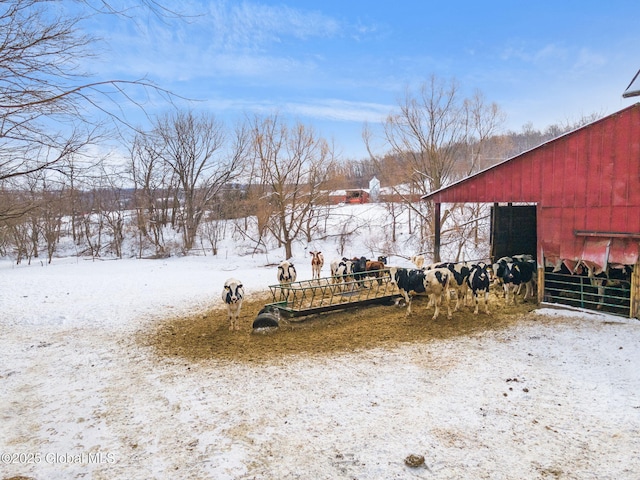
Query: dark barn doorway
x=513, y=230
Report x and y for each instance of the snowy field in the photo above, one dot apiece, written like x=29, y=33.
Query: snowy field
x=555, y=397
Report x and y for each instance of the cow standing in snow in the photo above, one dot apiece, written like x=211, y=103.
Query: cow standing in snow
x=286, y=274
x=435, y=283
x=317, y=261
x=232, y=295
x=359, y=267
x=512, y=273
x=460, y=272
x=479, y=283
x=341, y=270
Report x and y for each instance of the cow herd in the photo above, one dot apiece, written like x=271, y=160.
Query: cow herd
x=345, y=270
x=436, y=280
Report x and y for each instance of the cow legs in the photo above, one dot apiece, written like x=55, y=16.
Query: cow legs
x=461, y=297
x=448, y=303
x=476, y=296
x=234, y=323
x=408, y=299
x=510, y=291
x=436, y=299
x=529, y=290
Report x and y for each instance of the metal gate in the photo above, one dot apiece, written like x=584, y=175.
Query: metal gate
x=583, y=292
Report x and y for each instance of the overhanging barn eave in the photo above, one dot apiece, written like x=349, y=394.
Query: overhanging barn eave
x=633, y=90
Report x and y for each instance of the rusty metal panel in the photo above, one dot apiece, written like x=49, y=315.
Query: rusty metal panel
x=624, y=251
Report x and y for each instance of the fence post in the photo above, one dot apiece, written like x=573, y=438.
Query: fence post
x=540, y=284
x=634, y=311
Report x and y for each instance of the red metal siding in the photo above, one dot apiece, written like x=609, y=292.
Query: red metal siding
x=586, y=180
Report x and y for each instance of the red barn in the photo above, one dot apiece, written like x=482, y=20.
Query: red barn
x=583, y=189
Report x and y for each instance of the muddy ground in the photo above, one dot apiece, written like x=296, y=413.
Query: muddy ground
x=206, y=336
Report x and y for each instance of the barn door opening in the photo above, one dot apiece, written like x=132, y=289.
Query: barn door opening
x=513, y=230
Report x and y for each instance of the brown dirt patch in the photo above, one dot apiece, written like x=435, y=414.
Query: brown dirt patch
x=206, y=336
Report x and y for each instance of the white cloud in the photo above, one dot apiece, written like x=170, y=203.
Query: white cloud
x=588, y=59
x=254, y=25
x=549, y=52
x=321, y=109
x=341, y=110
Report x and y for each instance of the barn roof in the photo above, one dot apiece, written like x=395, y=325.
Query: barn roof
x=529, y=176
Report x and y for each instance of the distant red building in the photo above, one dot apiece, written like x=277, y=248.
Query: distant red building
x=352, y=195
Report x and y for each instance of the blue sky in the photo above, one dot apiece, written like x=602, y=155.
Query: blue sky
x=336, y=64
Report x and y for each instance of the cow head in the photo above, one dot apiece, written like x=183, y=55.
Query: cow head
x=286, y=272
x=233, y=291
x=393, y=273
x=511, y=273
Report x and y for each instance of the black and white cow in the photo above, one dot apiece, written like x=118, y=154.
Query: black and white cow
x=479, y=282
x=286, y=274
x=459, y=284
x=508, y=275
x=434, y=283
x=232, y=295
x=359, y=268
x=341, y=270
x=512, y=273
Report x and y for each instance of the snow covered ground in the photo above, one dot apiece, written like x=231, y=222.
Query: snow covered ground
x=553, y=397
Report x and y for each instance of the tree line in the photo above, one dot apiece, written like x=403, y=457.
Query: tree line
x=190, y=177
x=184, y=177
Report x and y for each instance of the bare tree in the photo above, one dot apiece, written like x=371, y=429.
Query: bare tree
x=437, y=136
x=154, y=185
x=45, y=94
x=294, y=163
x=204, y=162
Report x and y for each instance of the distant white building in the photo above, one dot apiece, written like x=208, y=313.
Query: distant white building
x=374, y=189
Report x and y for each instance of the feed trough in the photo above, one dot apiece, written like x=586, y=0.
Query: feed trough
x=308, y=297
